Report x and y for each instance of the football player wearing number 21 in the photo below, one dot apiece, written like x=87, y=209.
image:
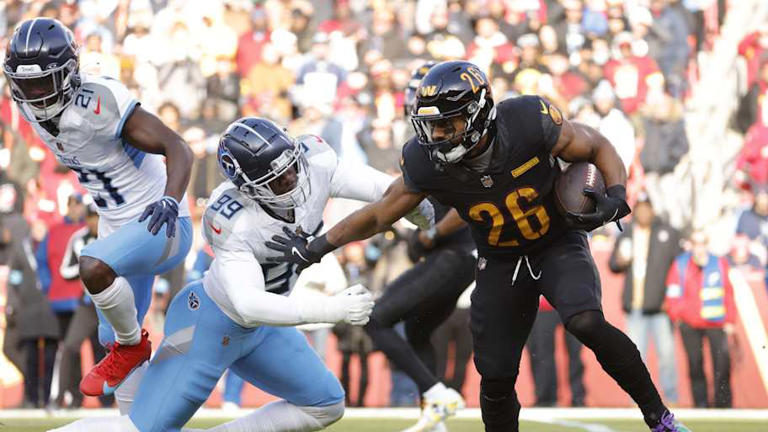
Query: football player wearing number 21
x=94, y=126
x=495, y=164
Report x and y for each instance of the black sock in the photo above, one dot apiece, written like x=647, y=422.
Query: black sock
x=400, y=352
x=499, y=405
x=619, y=357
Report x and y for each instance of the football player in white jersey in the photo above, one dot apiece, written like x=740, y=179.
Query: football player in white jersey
x=94, y=126
x=239, y=316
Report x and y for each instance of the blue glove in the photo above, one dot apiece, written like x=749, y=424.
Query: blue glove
x=163, y=211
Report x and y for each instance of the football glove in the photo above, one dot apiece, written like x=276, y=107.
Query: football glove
x=163, y=211
x=298, y=249
x=610, y=207
x=353, y=305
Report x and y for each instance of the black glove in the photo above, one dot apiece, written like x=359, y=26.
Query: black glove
x=610, y=207
x=416, y=249
x=163, y=211
x=298, y=249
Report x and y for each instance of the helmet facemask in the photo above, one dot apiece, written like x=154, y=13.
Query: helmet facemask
x=260, y=189
x=43, y=94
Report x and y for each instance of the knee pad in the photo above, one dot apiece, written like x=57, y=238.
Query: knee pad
x=381, y=319
x=325, y=415
x=587, y=326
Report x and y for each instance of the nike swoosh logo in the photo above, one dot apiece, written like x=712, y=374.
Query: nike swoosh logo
x=97, y=111
x=544, y=109
x=216, y=230
x=108, y=389
x=295, y=251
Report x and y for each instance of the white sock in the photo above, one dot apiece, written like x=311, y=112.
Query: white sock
x=100, y=424
x=126, y=392
x=434, y=391
x=281, y=416
x=119, y=307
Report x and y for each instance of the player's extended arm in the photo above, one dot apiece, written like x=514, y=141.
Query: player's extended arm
x=397, y=201
x=147, y=133
x=364, y=183
x=580, y=142
x=241, y=276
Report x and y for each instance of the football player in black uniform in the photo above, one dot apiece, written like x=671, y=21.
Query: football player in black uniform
x=424, y=297
x=496, y=165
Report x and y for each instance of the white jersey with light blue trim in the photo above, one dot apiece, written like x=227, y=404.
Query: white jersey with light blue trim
x=121, y=179
x=237, y=227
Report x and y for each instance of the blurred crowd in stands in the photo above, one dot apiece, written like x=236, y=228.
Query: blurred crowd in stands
x=338, y=69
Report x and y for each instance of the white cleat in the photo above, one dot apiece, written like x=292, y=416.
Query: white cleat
x=435, y=411
x=440, y=427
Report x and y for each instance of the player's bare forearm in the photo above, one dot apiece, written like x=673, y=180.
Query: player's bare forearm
x=375, y=217
x=148, y=133
x=178, y=159
x=579, y=142
x=450, y=223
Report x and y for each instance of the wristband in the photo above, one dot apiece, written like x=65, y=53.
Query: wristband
x=617, y=191
x=431, y=233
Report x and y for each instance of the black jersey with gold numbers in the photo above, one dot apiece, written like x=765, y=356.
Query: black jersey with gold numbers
x=510, y=208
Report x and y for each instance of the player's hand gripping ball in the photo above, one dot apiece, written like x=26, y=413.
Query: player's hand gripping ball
x=584, y=201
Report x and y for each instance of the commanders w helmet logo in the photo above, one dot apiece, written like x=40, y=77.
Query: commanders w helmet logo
x=427, y=91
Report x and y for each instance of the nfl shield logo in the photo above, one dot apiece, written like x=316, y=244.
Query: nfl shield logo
x=481, y=263
x=193, y=302
x=487, y=181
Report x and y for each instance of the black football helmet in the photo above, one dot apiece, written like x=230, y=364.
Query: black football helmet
x=41, y=63
x=413, y=85
x=253, y=152
x=450, y=90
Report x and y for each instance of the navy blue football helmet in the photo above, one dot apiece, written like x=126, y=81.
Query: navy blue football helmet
x=413, y=85
x=452, y=90
x=41, y=63
x=254, y=152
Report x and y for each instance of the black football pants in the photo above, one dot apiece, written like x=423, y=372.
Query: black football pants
x=424, y=296
x=503, y=312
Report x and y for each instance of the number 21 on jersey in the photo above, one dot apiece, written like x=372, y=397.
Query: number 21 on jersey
x=478, y=212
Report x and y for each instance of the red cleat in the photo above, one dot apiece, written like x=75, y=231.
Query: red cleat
x=112, y=370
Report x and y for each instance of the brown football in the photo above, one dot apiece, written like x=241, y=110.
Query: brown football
x=570, y=184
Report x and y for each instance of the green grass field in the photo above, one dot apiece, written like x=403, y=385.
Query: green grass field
x=454, y=425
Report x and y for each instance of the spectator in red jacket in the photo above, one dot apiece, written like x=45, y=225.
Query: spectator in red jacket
x=752, y=161
x=700, y=299
x=631, y=75
x=752, y=48
x=63, y=291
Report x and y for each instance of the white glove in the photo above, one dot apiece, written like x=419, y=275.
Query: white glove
x=353, y=305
